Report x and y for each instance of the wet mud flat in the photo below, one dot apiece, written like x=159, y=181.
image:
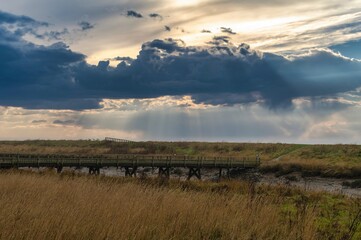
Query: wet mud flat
x=331, y=185
x=318, y=184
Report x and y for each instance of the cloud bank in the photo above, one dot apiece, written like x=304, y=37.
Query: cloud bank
x=220, y=73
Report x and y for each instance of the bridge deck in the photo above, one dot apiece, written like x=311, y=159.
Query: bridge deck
x=29, y=160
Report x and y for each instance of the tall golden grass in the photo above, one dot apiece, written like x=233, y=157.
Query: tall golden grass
x=68, y=206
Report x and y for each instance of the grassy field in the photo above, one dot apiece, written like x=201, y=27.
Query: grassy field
x=310, y=160
x=70, y=206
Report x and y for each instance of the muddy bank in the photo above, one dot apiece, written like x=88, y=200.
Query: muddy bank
x=318, y=184
x=330, y=185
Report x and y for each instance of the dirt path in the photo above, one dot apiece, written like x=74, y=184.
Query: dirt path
x=285, y=154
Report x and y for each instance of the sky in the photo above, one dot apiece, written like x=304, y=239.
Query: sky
x=181, y=70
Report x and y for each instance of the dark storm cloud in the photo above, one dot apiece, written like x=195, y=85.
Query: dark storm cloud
x=156, y=16
x=132, y=13
x=18, y=26
x=54, y=35
x=19, y=20
x=227, y=30
x=85, y=25
x=224, y=74
x=33, y=76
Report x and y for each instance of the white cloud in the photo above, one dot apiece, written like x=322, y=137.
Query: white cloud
x=167, y=118
x=276, y=26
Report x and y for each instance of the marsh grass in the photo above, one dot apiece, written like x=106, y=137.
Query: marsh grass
x=313, y=168
x=310, y=160
x=74, y=206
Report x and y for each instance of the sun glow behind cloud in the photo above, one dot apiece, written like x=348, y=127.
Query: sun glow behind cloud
x=278, y=28
x=171, y=118
x=185, y=3
x=289, y=28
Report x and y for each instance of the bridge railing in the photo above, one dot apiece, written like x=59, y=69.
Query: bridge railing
x=109, y=139
x=127, y=160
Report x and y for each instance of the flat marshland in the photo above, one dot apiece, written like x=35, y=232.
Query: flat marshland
x=46, y=205
x=333, y=161
x=72, y=205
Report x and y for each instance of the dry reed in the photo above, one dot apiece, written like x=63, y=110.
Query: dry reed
x=48, y=206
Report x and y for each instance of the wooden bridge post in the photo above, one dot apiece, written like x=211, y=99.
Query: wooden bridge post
x=194, y=172
x=59, y=168
x=220, y=175
x=94, y=170
x=130, y=171
x=164, y=172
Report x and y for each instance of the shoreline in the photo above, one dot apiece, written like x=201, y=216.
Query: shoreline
x=316, y=184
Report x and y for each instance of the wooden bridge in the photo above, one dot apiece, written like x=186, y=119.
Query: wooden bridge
x=109, y=139
x=129, y=162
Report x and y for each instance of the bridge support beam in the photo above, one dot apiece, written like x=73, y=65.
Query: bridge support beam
x=59, y=169
x=94, y=170
x=220, y=175
x=164, y=172
x=194, y=172
x=130, y=171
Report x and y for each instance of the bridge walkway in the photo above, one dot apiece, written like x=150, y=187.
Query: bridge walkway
x=129, y=162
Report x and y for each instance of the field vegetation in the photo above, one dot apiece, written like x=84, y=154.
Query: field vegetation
x=46, y=205
x=310, y=160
